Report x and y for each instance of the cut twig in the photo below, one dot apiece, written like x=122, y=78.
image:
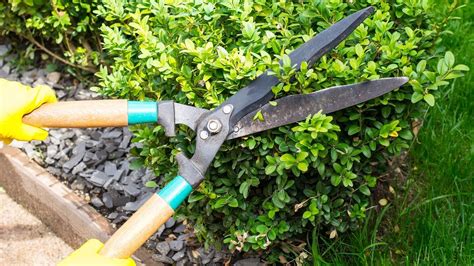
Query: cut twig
x=57, y=57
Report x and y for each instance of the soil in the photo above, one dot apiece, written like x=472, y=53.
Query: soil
x=24, y=240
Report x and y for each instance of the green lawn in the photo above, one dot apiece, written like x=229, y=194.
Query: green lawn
x=431, y=220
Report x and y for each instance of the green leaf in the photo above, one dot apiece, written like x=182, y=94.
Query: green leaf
x=336, y=180
x=354, y=129
x=303, y=166
x=259, y=116
x=271, y=234
x=151, y=184
x=461, y=67
x=429, y=98
x=416, y=97
x=347, y=182
x=270, y=169
x=252, y=143
x=421, y=66
x=366, y=151
x=442, y=67
x=233, y=203
x=449, y=59
x=219, y=203
x=384, y=142
x=307, y=214
x=286, y=61
x=261, y=228
x=287, y=158
x=244, y=189
x=359, y=50
x=365, y=190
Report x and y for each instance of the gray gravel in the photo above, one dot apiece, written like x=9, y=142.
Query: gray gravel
x=95, y=164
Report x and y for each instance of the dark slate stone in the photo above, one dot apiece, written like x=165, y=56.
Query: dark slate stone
x=4, y=50
x=184, y=236
x=160, y=230
x=6, y=69
x=125, y=141
x=87, y=173
x=131, y=206
x=126, y=180
x=116, y=155
x=49, y=161
x=248, y=262
x=54, y=171
x=68, y=135
x=179, y=255
x=78, y=184
x=120, y=218
x=179, y=229
x=162, y=259
x=108, y=200
x=79, y=168
x=110, y=168
x=96, y=202
x=110, y=147
x=100, y=157
x=177, y=245
x=206, y=257
x=132, y=190
x=96, y=135
x=51, y=151
x=218, y=257
x=60, y=94
x=121, y=201
x=163, y=248
x=112, y=215
x=183, y=262
x=170, y=223
x=54, y=77
x=150, y=244
x=78, y=154
x=112, y=134
x=98, y=178
x=90, y=143
x=62, y=154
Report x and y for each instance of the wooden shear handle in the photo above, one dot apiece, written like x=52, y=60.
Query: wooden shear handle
x=80, y=114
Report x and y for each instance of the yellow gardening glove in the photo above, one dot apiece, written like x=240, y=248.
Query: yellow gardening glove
x=17, y=100
x=88, y=254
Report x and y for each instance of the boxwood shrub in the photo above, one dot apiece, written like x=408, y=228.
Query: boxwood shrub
x=266, y=191
x=66, y=30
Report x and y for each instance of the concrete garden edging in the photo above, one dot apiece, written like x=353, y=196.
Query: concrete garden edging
x=65, y=213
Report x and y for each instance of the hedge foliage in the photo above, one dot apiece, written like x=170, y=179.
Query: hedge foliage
x=268, y=189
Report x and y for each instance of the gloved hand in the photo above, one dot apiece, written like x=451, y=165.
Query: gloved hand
x=17, y=100
x=88, y=255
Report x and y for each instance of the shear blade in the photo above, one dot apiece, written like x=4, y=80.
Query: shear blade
x=294, y=108
x=259, y=91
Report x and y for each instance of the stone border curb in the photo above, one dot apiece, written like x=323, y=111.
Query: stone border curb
x=66, y=214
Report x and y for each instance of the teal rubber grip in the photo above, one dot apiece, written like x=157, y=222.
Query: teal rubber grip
x=142, y=112
x=175, y=192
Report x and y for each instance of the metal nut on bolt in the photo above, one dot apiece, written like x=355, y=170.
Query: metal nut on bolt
x=214, y=126
x=203, y=134
x=227, y=109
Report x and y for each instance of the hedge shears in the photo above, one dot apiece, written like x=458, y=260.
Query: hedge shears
x=232, y=119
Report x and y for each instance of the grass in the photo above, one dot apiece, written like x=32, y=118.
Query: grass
x=430, y=222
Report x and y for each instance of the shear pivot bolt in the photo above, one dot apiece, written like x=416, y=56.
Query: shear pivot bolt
x=214, y=126
x=227, y=109
x=203, y=134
